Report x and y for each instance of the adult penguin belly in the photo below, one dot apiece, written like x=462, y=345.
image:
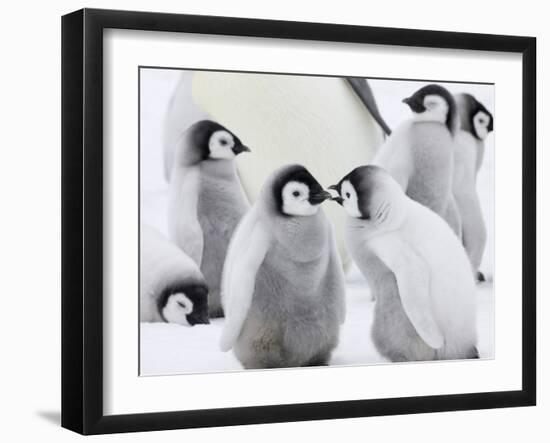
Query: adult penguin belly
x=315, y=121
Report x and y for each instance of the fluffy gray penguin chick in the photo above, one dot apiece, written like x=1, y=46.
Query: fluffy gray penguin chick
x=419, y=152
x=476, y=123
x=283, y=284
x=207, y=199
x=416, y=266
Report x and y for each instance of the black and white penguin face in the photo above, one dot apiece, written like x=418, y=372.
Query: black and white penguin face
x=211, y=140
x=185, y=305
x=369, y=193
x=483, y=124
x=433, y=103
x=221, y=145
x=350, y=199
x=297, y=193
x=474, y=117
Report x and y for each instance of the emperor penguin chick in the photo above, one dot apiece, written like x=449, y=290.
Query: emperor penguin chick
x=476, y=122
x=283, y=283
x=424, y=289
x=207, y=200
x=172, y=288
x=419, y=152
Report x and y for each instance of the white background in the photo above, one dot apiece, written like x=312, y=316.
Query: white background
x=30, y=238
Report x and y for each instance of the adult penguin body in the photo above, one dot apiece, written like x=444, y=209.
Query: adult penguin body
x=294, y=119
x=424, y=289
x=172, y=288
x=206, y=199
x=419, y=152
x=476, y=122
x=283, y=284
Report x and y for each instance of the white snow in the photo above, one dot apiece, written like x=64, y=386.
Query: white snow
x=173, y=349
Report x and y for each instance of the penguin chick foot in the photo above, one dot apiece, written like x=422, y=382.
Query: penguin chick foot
x=480, y=277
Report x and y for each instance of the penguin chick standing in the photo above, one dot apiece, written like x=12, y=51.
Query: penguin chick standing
x=425, y=293
x=419, y=152
x=283, y=283
x=207, y=200
x=172, y=288
x=476, y=122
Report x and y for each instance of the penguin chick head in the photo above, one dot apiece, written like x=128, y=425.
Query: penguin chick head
x=433, y=103
x=369, y=193
x=185, y=304
x=474, y=117
x=210, y=140
x=297, y=193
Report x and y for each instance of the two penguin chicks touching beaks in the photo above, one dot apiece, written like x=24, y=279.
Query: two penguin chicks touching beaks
x=283, y=287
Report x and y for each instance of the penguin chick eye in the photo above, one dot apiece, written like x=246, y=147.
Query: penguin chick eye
x=430, y=104
x=348, y=195
x=177, y=307
x=223, y=142
x=184, y=305
x=433, y=102
x=296, y=193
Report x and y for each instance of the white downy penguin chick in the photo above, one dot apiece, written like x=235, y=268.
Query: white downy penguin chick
x=424, y=289
x=476, y=123
x=419, y=152
x=207, y=200
x=172, y=288
x=283, y=284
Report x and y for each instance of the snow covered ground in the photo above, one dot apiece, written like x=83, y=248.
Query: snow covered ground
x=173, y=349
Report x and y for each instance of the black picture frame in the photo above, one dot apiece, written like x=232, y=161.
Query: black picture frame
x=82, y=220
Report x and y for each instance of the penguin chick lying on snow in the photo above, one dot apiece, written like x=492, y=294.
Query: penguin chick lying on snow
x=172, y=287
x=424, y=288
x=283, y=284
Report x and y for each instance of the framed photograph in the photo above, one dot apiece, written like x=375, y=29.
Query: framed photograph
x=269, y=221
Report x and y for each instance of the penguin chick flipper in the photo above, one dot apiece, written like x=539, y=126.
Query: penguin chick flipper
x=339, y=280
x=245, y=255
x=183, y=224
x=413, y=281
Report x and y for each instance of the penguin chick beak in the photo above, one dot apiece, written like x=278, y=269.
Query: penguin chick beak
x=319, y=197
x=335, y=197
x=240, y=148
x=406, y=100
x=198, y=319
